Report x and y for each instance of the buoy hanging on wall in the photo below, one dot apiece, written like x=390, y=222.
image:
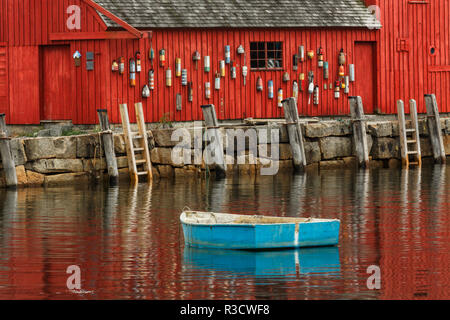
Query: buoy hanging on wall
x=162, y=58
x=233, y=71
x=132, y=72
x=316, y=95
x=280, y=98
x=337, y=88
x=286, y=77
x=295, y=89
x=301, y=53
x=301, y=79
x=341, y=71
x=138, y=62
x=244, y=74
x=259, y=84
x=341, y=57
x=310, y=85
x=115, y=66
x=207, y=64
x=169, y=77
x=295, y=62
x=222, y=68
x=184, y=77
x=217, y=81
x=351, y=71
x=196, y=58
x=320, y=54
x=121, y=65
x=178, y=67
x=190, y=91
x=151, y=55
x=207, y=90
x=270, y=89
x=227, y=54
x=326, y=71
x=347, y=84
x=151, y=80
x=145, y=92
x=310, y=54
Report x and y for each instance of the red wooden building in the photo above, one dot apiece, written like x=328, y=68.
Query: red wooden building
x=400, y=52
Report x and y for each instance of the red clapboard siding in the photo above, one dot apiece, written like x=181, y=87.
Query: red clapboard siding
x=4, y=102
x=56, y=83
x=403, y=67
x=24, y=85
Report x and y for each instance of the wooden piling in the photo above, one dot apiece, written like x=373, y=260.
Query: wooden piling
x=9, y=167
x=108, y=145
x=359, y=131
x=212, y=125
x=435, y=129
x=295, y=133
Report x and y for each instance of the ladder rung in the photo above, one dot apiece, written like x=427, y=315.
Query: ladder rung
x=415, y=163
x=143, y=173
x=412, y=152
x=411, y=141
x=138, y=149
x=138, y=137
x=410, y=130
x=141, y=161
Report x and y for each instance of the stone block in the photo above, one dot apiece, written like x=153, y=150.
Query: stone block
x=35, y=179
x=380, y=129
x=386, y=148
x=312, y=152
x=48, y=148
x=119, y=144
x=327, y=129
x=66, y=179
x=88, y=146
x=51, y=166
x=22, y=179
x=162, y=156
x=335, y=147
x=166, y=171
x=18, y=152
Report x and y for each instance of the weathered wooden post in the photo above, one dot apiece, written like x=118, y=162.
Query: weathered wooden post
x=435, y=129
x=212, y=127
x=9, y=167
x=295, y=133
x=108, y=145
x=359, y=131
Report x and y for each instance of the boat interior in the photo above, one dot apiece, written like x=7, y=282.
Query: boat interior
x=196, y=217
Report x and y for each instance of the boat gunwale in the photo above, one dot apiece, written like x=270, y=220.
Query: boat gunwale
x=253, y=225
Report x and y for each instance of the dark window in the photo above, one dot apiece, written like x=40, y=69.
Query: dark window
x=266, y=55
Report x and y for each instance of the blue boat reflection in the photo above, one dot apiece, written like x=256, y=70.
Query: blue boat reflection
x=265, y=263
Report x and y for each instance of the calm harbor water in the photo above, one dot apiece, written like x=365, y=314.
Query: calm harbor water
x=129, y=245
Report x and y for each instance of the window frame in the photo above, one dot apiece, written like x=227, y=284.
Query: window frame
x=266, y=59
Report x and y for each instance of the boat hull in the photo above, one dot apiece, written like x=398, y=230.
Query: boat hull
x=264, y=236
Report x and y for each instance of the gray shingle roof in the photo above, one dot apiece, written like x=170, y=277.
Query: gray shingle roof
x=239, y=13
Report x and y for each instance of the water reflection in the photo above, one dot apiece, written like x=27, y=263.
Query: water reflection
x=129, y=245
x=289, y=263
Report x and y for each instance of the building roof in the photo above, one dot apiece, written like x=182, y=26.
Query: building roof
x=143, y=14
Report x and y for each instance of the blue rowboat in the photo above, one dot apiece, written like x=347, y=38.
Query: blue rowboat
x=242, y=232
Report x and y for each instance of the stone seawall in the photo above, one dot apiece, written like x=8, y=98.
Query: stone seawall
x=328, y=145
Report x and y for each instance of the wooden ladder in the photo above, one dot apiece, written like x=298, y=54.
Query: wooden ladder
x=137, y=145
x=409, y=136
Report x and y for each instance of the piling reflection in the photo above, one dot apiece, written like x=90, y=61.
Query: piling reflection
x=264, y=263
